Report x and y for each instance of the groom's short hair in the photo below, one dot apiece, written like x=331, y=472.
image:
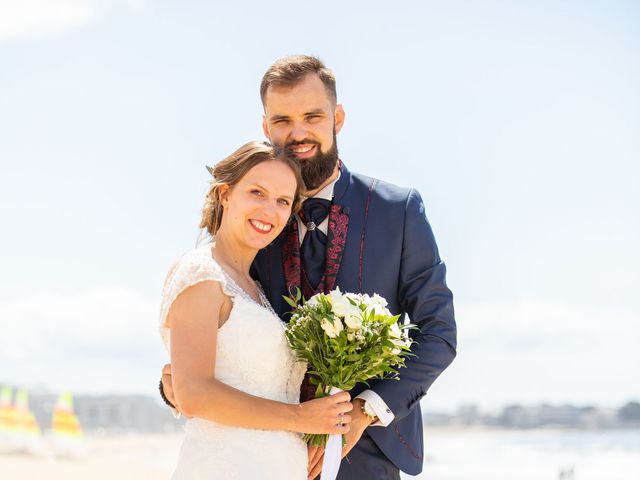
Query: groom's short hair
x=289, y=71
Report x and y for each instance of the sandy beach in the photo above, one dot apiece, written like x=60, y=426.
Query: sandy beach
x=113, y=457
x=451, y=454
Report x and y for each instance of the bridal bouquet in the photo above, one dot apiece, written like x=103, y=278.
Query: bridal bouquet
x=346, y=338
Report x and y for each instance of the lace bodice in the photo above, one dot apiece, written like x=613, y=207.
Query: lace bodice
x=252, y=351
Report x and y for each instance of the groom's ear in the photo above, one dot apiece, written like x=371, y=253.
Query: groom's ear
x=265, y=127
x=339, y=117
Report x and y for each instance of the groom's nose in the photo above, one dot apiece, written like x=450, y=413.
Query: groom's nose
x=298, y=132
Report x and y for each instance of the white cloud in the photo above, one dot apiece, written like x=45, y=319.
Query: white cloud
x=21, y=19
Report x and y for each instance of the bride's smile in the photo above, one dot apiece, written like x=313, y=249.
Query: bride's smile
x=257, y=208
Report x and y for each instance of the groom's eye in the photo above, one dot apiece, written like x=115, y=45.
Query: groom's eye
x=257, y=193
x=284, y=201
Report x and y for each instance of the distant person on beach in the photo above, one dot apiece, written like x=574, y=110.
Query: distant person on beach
x=372, y=237
x=243, y=403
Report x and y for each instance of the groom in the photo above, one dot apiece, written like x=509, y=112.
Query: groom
x=361, y=235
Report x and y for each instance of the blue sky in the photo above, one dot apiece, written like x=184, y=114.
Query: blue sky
x=519, y=122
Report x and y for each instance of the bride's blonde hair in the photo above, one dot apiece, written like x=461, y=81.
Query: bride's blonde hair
x=231, y=170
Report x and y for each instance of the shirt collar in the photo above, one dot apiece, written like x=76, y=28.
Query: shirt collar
x=327, y=191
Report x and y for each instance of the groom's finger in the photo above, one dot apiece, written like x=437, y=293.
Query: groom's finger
x=311, y=451
x=167, y=387
x=317, y=468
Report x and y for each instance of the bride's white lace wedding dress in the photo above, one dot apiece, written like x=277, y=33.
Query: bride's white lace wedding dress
x=252, y=355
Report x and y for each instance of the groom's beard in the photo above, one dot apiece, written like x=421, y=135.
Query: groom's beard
x=317, y=169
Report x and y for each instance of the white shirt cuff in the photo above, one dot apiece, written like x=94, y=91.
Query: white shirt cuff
x=382, y=411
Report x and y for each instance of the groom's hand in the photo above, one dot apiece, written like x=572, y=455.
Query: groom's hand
x=167, y=384
x=316, y=455
x=359, y=422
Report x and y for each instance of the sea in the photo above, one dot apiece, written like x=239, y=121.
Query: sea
x=540, y=454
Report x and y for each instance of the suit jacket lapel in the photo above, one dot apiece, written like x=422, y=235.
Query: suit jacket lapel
x=337, y=231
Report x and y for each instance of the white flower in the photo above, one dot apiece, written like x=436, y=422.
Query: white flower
x=342, y=307
x=355, y=297
x=313, y=301
x=377, y=305
x=378, y=300
x=331, y=329
x=353, y=320
x=378, y=309
x=339, y=303
x=355, y=336
x=397, y=338
x=395, y=331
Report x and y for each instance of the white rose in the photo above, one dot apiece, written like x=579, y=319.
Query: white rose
x=331, y=329
x=378, y=309
x=353, y=320
x=355, y=297
x=378, y=300
x=377, y=305
x=339, y=302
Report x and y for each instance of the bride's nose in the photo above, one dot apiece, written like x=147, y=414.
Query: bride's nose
x=269, y=210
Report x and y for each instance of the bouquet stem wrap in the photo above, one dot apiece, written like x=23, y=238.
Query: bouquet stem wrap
x=332, y=452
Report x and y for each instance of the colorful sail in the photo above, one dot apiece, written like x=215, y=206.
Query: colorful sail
x=26, y=436
x=7, y=419
x=66, y=432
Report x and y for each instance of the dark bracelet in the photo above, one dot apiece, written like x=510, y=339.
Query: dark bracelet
x=163, y=396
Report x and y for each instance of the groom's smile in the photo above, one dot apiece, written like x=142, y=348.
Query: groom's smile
x=303, y=150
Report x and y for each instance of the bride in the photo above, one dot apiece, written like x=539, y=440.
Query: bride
x=234, y=375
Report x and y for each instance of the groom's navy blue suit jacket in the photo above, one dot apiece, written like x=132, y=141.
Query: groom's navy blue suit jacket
x=390, y=250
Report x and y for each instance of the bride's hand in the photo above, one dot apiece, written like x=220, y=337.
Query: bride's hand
x=325, y=415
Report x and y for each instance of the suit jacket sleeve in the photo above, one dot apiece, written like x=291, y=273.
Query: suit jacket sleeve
x=424, y=296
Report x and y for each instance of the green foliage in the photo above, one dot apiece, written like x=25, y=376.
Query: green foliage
x=346, y=339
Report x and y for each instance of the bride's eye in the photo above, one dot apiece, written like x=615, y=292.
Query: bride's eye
x=257, y=193
x=284, y=201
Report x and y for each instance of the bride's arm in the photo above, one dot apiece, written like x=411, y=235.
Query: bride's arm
x=194, y=318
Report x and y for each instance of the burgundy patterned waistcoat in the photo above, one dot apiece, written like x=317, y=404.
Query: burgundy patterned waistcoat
x=294, y=271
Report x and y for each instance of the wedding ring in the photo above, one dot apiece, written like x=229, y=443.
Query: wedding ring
x=342, y=419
